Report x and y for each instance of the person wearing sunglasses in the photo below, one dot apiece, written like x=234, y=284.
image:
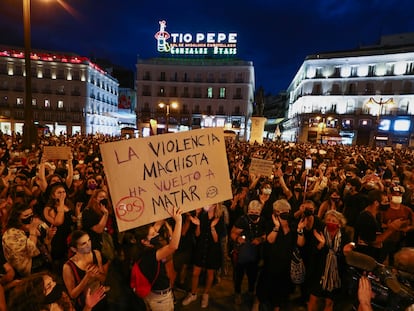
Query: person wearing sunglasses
x=23, y=246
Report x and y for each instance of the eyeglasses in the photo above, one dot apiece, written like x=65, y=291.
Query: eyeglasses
x=28, y=220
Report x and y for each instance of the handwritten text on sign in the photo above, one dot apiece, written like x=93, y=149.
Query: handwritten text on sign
x=261, y=167
x=147, y=176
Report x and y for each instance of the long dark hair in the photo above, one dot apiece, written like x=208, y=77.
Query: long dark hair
x=29, y=295
x=13, y=221
x=52, y=201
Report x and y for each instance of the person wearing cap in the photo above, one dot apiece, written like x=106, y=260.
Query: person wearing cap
x=397, y=210
x=247, y=235
x=282, y=236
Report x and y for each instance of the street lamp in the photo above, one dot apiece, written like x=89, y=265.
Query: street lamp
x=29, y=130
x=371, y=102
x=380, y=103
x=173, y=105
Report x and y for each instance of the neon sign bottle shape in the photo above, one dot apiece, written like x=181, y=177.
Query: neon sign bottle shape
x=162, y=36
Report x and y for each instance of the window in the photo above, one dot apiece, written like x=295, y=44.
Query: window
x=19, y=70
x=47, y=73
x=60, y=104
x=47, y=103
x=34, y=102
x=162, y=91
x=162, y=77
x=209, y=92
x=222, y=92
x=19, y=101
x=61, y=90
x=75, y=75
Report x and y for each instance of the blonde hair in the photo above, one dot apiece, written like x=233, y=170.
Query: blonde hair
x=338, y=215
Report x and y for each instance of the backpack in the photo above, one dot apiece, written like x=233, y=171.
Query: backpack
x=139, y=283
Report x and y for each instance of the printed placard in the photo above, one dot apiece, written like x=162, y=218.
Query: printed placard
x=147, y=176
x=260, y=167
x=56, y=152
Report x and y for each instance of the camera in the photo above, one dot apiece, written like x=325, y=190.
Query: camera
x=307, y=213
x=391, y=290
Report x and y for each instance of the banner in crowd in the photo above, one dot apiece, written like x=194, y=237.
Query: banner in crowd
x=148, y=176
x=260, y=167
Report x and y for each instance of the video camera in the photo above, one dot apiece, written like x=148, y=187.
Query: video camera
x=392, y=289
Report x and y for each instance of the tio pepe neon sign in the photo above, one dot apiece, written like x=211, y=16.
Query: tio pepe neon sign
x=198, y=44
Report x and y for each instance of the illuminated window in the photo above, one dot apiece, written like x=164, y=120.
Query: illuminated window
x=209, y=92
x=222, y=92
x=19, y=101
x=60, y=104
x=47, y=103
x=34, y=102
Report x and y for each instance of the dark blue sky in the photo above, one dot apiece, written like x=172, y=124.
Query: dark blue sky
x=275, y=34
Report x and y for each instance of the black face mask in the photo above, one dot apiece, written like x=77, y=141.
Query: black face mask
x=27, y=221
x=284, y=216
x=384, y=207
x=298, y=189
x=155, y=241
x=254, y=218
x=104, y=202
x=55, y=294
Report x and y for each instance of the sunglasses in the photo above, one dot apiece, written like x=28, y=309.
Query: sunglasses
x=28, y=220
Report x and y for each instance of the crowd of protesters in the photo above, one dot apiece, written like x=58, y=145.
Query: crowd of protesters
x=59, y=230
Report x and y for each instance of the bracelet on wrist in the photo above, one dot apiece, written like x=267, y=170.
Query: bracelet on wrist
x=300, y=231
x=275, y=229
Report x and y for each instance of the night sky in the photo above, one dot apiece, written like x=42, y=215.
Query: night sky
x=276, y=35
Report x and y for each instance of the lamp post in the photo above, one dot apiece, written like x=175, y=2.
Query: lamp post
x=29, y=131
x=173, y=105
x=372, y=101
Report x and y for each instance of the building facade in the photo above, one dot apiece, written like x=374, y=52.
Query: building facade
x=363, y=96
x=70, y=94
x=195, y=93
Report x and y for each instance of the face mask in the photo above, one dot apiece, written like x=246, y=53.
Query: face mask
x=76, y=177
x=396, y=199
x=336, y=200
x=331, y=227
x=104, y=202
x=347, y=188
x=81, y=162
x=155, y=241
x=396, y=182
x=254, y=218
x=298, y=189
x=55, y=294
x=267, y=191
x=384, y=207
x=85, y=250
x=92, y=186
x=308, y=212
x=284, y=216
x=27, y=221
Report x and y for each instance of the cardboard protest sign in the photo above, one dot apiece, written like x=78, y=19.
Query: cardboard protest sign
x=260, y=167
x=56, y=152
x=147, y=176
